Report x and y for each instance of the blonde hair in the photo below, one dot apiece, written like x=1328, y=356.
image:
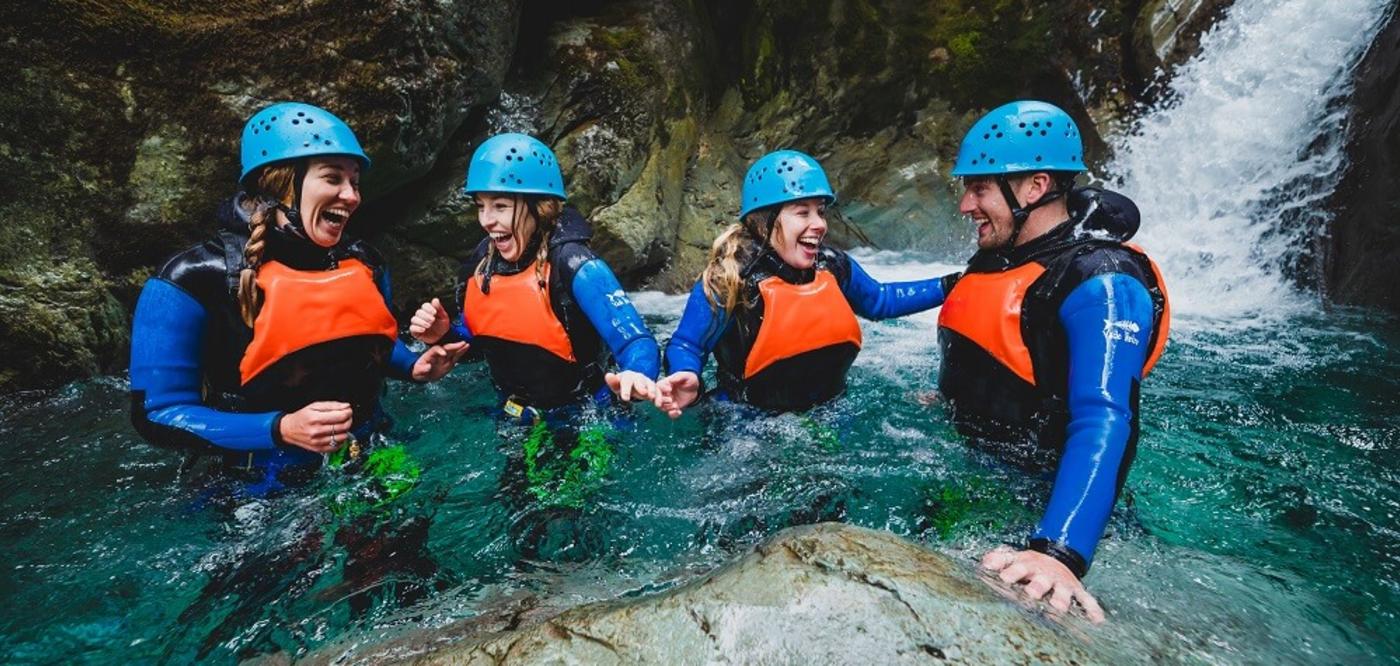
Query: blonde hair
x=277, y=182
x=546, y=211
x=732, y=251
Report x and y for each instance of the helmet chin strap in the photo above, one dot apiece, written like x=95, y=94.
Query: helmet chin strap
x=293, y=212
x=1019, y=213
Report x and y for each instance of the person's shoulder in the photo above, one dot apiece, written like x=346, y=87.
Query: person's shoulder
x=201, y=270
x=1105, y=258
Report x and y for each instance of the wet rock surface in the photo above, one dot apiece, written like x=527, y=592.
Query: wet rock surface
x=826, y=594
x=1364, y=246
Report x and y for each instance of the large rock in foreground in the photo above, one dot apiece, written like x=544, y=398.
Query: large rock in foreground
x=825, y=594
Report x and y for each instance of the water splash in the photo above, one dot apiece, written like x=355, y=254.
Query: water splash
x=1230, y=171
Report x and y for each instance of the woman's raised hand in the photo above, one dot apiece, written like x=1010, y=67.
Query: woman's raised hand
x=676, y=392
x=438, y=360
x=429, y=323
x=631, y=385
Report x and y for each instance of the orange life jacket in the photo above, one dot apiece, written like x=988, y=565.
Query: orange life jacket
x=986, y=309
x=518, y=309
x=799, y=318
x=301, y=309
x=1005, y=369
x=792, y=349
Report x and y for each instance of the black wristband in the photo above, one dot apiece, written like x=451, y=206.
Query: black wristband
x=277, y=430
x=1062, y=553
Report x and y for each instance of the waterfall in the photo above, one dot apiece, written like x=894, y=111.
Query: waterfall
x=1231, y=170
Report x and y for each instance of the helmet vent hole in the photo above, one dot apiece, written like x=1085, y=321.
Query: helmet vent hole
x=1030, y=132
x=255, y=130
x=512, y=150
x=995, y=127
x=1037, y=158
x=305, y=144
x=310, y=120
x=328, y=142
x=264, y=153
x=1035, y=124
x=296, y=122
x=1042, y=132
x=974, y=162
x=1023, y=126
x=998, y=135
x=301, y=113
x=992, y=160
x=987, y=136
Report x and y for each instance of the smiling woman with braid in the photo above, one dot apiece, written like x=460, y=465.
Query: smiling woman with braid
x=269, y=345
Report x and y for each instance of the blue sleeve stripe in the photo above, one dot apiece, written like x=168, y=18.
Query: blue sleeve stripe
x=1108, y=322
x=600, y=296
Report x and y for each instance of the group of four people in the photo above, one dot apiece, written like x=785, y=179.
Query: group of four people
x=270, y=344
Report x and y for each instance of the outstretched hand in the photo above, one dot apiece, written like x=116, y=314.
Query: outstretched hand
x=429, y=323
x=438, y=361
x=320, y=427
x=631, y=385
x=676, y=392
x=1042, y=575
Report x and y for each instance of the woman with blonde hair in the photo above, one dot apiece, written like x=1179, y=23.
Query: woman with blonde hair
x=775, y=304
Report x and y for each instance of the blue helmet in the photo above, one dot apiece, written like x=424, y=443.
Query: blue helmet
x=1018, y=137
x=515, y=164
x=782, y=176
x=290, y=130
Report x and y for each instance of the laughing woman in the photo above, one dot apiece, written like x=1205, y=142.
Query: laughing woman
x=270, y=344
x=775, y=304
x=549, y=318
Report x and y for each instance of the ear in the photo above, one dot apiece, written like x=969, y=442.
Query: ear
x=1037, y=186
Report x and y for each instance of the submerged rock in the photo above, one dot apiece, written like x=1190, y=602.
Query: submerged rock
x=825, y=594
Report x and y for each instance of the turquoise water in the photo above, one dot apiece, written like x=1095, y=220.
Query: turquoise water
x=1261, y=523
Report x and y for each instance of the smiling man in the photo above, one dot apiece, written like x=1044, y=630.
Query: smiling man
x=1048, y=335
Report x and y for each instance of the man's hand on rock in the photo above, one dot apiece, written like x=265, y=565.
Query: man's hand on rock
x=1041, y=575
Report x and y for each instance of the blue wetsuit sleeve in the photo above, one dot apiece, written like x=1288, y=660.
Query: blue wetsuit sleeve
x=600, y=296
x=402, y=359
x=1108, y=323
x=876, y=300
x=166, y=338
x=696, y=335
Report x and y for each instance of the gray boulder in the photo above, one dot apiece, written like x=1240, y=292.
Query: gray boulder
x=825, y=594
